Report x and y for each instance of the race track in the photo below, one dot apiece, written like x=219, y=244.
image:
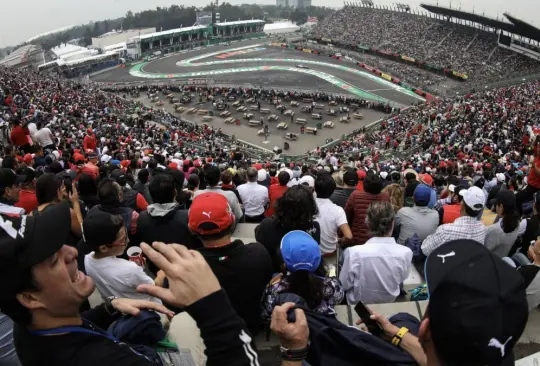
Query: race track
x=256, y=63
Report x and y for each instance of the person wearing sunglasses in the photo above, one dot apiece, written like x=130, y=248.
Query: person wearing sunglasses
x=107, y=237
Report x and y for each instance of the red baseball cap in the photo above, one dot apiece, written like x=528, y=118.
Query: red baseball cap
x=28, y=158
x=361, y=174
x=173, y=166
x=89, y=130
x=426, y=179
x=78, y=157
x=196, y=163
x=209, y=214
x=186, y=162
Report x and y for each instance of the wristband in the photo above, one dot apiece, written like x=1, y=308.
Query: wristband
x=294, y=354
x=109, y=306
x=396, y=340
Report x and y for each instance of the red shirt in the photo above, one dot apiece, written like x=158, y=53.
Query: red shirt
x=18, y=136
x=91, y=170
x=89, y=143
x=275, y=191
x=27, y=200
x=534, y=178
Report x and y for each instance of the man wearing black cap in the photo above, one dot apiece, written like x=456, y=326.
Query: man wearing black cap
x=42, y=291
x=476, y=313
x=350, y=180
x=9, y=192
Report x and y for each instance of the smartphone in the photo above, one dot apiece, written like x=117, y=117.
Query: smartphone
x=68, y=184
x=363, y=312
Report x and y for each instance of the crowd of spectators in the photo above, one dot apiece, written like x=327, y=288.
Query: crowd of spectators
x=440, y=43
x=87, y=180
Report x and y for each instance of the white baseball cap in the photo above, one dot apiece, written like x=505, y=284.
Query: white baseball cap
x=474, y=197
x=500, y=177
x=307, y=180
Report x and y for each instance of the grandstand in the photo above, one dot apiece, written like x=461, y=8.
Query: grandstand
x=25, y=56
x=454, y=43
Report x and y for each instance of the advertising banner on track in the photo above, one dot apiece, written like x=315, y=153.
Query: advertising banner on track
x=386, y=76
x=460, y=75
x=306, y=50
x=407, y=58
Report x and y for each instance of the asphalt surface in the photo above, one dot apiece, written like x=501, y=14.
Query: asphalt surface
x=285, y=79
x=276, y=137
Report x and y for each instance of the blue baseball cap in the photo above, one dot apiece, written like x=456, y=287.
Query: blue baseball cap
x=422, y=194
x=300, y=251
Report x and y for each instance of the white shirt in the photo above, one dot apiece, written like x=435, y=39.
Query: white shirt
x=43, y=137
x=117, y=277
x=372, y=273
x=330, y=218
x=254, y=198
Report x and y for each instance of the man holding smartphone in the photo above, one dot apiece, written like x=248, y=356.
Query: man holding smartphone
x=476, y=314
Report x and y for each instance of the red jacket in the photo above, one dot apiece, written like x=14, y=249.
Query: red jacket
x=275, y=191
x=18, y=136
x=27, y=200
x=356, y=209
x=89, y=143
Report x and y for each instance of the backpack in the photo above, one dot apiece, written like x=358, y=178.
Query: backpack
x=334, y=343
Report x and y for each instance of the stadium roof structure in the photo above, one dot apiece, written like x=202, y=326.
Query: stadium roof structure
x=239, y=22
x=516, y=26
x=19, y=55
x=170, y=31
x=524, y=27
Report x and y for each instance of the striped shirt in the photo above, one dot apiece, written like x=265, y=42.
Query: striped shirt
x=464, y=227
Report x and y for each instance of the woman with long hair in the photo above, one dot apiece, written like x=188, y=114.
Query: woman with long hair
x=295, y=210
x=395, y=192
x=500, y=236
x=303, y=274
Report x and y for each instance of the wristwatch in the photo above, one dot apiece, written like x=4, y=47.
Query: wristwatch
x=109, y=306
x=294, y=354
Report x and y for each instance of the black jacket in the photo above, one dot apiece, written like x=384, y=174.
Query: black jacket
x=243, y=271
x=130, y=198
x=224, y=333
x=171, y=228
x=340, y=197
x=269, y=233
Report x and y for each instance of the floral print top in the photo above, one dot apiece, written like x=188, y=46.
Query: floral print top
x=332, y=291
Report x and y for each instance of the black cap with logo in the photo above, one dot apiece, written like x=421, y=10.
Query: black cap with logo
x=477, y=308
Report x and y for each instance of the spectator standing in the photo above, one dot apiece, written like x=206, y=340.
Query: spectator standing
x=87, y=188
x=27, y=195
x=373, y=272
x=89, y=141
x=361, y=174
x=357, y=205
x=19, y=137
x=331, y=217
x=501, y=236
x=419, y=219
x=44, y=137
x=304, y=275
x=533, y=179
x=243, y=270
x=395, y=194
x=465, y=227
x=228, y=185
x=295, y=210
x=254, y=197
x=531, y=227
x=350, y=180
x=411, y=181
x=533, y=290
x=212, y=176
x=275, y=191
x=141, y=184
x=106, y=235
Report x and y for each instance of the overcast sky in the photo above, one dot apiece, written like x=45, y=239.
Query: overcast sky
x=23, y=19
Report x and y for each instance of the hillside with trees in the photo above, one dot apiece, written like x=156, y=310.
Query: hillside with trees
x=175, y=16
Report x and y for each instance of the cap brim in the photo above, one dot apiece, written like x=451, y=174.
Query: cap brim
x=49, y=233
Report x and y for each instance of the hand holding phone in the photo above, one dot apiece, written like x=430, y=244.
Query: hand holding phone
x=365, y=314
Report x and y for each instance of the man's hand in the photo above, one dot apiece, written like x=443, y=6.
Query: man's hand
x=389, y=329
x=292, y=335
x=190, y=277
x=134, y=307
x=74, y=195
